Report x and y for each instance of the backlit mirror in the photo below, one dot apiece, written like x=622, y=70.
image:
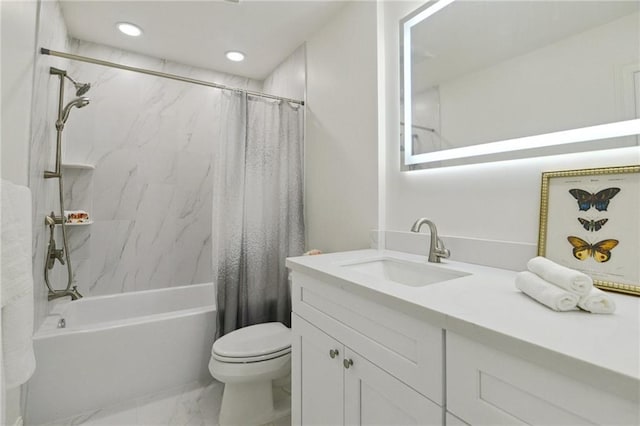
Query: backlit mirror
x=492, y=80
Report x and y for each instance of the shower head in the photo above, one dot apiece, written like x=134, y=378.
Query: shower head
x=78, y=103
x=81, y=88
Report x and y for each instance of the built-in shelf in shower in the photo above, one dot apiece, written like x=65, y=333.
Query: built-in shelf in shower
x=78, y=166
x=79, y=224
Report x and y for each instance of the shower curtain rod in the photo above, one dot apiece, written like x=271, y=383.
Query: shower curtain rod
x=45, y=51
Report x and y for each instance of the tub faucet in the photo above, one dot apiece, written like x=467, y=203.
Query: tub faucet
x=436, y=248
x=72, y=292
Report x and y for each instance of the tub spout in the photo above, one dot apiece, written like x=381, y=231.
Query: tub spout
x=72, y=292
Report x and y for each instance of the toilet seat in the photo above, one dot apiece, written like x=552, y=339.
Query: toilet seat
x=245, y=360
x=255, y=343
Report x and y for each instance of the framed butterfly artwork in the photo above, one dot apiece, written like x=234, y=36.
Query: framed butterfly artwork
x=590, y=221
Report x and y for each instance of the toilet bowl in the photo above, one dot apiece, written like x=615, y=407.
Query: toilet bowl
x=248, y=361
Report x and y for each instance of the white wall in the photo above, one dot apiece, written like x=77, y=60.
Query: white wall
x=341, y=133
x=18, y=52
x=497, y=201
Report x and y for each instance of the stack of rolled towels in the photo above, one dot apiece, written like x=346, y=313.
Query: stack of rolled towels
x=561, y=288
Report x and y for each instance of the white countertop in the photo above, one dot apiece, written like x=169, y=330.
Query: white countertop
x=603, y=350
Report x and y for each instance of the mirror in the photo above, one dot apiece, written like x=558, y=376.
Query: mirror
x=493, y=80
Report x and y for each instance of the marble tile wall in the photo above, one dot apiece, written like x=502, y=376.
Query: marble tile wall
x=150, y=194
x=52, y=34
x=290, y=77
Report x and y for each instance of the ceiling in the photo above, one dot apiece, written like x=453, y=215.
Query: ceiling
x=198, y=33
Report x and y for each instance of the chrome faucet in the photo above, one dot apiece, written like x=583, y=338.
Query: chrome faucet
x=436, y=249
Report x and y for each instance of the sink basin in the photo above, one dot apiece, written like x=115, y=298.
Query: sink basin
x=403, y=272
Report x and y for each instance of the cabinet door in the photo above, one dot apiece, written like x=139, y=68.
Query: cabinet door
x=451, y=420
x=489, y=387
x=374, y=397
x=317, y=376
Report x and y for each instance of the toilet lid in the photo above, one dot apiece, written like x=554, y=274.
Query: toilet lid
x=254, y=341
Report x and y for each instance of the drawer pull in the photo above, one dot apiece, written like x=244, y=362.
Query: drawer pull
x=333, y=353
x=347, y=363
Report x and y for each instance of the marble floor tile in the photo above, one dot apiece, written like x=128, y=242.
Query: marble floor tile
x=195, y=404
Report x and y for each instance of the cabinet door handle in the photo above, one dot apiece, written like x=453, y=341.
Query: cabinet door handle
x=333, y=353
x=347, y=363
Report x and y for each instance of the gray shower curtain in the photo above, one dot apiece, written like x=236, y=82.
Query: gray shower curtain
x=257, y=210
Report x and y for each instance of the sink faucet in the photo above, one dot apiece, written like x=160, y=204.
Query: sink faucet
x=436, y=249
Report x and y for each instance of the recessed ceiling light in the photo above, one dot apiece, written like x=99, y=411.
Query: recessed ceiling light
x=235, y=56
x=129, y=29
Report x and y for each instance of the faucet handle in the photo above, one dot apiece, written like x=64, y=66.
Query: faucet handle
x=441, y=250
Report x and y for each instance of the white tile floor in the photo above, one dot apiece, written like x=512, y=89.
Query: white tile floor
x=195, y=404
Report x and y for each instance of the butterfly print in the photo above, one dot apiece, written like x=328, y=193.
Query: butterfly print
x=601, y=251
x=599, y=200
x=592, y=225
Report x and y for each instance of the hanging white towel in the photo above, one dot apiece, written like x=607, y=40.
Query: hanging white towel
x=597, y=302
x=17, y=285
x=567, y=278
x=546, y=293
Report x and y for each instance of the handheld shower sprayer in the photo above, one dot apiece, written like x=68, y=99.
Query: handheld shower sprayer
x=64, y=116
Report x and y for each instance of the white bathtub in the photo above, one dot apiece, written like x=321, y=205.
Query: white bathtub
x=119, y=347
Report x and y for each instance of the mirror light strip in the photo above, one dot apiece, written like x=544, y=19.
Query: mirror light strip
x=584, y=134
x=408, y=144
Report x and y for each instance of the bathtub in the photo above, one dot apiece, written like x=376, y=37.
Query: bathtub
x=116, y=348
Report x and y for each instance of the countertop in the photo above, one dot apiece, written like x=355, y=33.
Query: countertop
x=601, y=350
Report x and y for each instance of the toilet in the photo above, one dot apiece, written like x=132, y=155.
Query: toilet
x=249, y=361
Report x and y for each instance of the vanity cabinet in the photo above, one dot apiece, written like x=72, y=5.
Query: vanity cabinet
x=316, y=361
x=498, y=358
x=339, y=386
x=355, y=361
x=490, y=387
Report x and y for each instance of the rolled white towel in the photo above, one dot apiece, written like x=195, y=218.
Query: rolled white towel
x=597, y=302
x=545, y=292
x=567, y=278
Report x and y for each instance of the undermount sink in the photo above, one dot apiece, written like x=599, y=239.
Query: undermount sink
x=403, y=272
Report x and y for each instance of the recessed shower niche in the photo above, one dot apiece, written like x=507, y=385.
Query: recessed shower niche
x=78, y=179
x=78, y=190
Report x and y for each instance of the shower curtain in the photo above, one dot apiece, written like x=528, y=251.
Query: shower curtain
x=257, y=209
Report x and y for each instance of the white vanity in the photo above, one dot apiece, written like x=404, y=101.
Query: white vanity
x=373, y=344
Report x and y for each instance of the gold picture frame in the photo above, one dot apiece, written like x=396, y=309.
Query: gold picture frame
x=590, y=221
